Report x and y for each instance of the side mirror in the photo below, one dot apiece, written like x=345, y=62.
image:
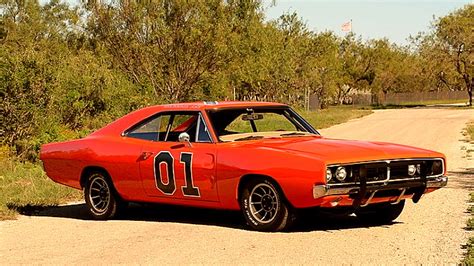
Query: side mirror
x=184, y=137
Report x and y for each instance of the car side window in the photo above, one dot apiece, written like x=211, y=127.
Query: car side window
x=168, y=126
x=152, y=129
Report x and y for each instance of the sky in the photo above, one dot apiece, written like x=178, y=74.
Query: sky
x=395, y=20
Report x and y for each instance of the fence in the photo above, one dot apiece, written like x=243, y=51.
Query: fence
x=312, y=102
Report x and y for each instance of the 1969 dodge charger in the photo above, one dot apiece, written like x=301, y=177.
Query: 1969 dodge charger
x=261, y=158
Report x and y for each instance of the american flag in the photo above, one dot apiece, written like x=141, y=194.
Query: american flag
x=347, y=26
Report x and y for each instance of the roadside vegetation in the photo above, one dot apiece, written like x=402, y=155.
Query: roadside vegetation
x=66, y=70
x=23, y=186
x=469, y=259
x=422, y=103
x=333, y=116
x=470, y=131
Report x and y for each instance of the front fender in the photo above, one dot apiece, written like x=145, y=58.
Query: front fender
x=296, y=173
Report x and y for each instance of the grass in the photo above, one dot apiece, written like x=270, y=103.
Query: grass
x=318, y=119
x=419, y=104
x=433, y=102
x=25, y=186
x=470, y=131
x=469, y=259
x=443, y=103
x=333, y=116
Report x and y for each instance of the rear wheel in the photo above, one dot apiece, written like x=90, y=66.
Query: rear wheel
x=381, y=213
x=101, y=198
x=264, y=206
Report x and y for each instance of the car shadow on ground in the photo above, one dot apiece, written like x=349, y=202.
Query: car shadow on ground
x=308, y=220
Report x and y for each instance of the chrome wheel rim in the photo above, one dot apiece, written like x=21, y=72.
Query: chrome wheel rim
x=99, y=194
x=264, y=203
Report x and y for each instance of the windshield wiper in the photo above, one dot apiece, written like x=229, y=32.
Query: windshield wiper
x=293, y=134
x=249, y=138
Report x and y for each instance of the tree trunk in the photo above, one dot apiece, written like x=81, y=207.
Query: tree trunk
x=470, y=96
x=469, y=91
x=469, y=85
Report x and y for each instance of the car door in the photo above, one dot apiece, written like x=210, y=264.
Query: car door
x=178, y=170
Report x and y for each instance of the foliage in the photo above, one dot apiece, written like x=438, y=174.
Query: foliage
x=67, y=70
x=449, y=50
x=53, y=88
x=167, y=46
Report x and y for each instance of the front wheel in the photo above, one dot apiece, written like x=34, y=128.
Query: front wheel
x=264, y=207
x=101, y=198
x=381, y=213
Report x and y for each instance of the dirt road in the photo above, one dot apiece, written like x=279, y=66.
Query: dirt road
x=428, y=232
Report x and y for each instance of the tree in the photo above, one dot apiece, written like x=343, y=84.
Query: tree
x=453, y=44
x=53, y=86
x=167, y=45
x=356, y=67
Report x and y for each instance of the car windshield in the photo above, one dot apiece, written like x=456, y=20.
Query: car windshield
x=239, y=124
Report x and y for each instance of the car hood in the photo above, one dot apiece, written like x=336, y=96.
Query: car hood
x=345, y=151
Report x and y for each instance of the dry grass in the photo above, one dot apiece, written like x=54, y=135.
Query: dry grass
x=470, y=131
x=25, y=185
x=469, y=259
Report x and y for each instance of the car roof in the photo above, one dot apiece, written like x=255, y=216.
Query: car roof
x=125, y=122
x=217, y=105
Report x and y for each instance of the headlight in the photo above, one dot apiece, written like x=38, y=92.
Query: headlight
x=341, y=173
x=411, y=169
x=437, y=168
x=328, y=175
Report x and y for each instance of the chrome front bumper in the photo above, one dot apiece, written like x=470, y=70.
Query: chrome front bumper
x=341, y=189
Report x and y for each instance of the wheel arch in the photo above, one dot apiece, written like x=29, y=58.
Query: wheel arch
x=248, y=177
x=91, y=169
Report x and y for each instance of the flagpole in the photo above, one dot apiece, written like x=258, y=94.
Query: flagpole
x=351, y=25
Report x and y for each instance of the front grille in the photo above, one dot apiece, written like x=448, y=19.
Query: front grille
x=376, y=172
x=399, y=170
x=390, y=170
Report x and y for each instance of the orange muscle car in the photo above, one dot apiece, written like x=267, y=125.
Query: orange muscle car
x=261, y=158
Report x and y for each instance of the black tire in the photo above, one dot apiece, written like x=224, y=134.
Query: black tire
x=272, y=214
x=381, y=213
x=101, y=198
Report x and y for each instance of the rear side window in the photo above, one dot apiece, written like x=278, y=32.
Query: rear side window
x=168, y=126
x=151, y=130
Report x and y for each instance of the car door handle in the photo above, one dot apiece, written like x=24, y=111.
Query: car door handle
x=145, y=155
